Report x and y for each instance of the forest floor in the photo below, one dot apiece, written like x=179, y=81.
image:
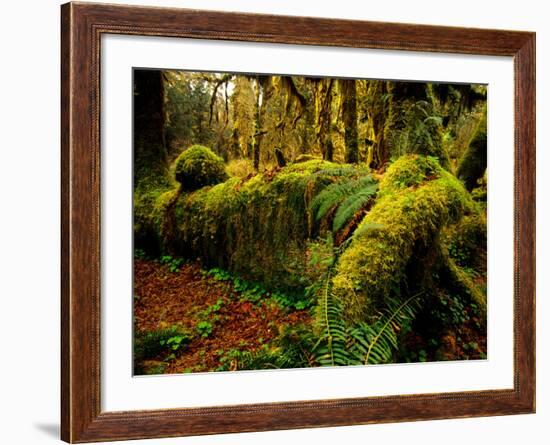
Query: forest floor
x=216, y=317
x=187, y=319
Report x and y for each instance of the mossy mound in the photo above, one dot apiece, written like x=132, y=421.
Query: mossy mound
x=257, y=227
x=417, y=198
x=198, y=167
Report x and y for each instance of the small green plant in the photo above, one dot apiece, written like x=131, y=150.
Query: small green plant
x=175, y=342
x=140, y=254
x=212, y=309
x=255, y=292
x=204, y=328
x=291, y=349
x=451, y=310
x=157, y=369
x=158, y=344
x=174, y=264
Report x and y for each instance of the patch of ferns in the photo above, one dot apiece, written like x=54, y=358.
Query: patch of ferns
x=343, y=200
x=363, y=343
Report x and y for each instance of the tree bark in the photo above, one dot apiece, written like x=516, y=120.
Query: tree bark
x=348, y=90
x=149, y=140
x=323, y=104
x=264, y=92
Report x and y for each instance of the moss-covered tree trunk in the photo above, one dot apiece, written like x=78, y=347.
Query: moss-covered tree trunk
x=150, y=156
x=348, y=90
x=149, y=142
x=417, y=199
x=404, y=121
x=474, y=161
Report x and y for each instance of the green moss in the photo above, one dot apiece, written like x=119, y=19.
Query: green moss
x=459, y=281
x=474, y=161
x=240, y=168
x=147, y=191
x=416, y=199
x=313, y=166
x=466, y=239
x=304, y=158
x=199, y=166
x=258, y=227
x=411, y=170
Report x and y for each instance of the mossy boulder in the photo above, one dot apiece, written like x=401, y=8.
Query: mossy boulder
x=417, y=198
x=198, y=167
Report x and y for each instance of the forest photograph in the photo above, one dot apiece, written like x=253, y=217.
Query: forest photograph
x=285, y=221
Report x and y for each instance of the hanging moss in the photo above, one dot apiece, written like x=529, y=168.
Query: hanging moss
x=240, y=168
x=197, y=167
x=416, y=199
x=474, y=161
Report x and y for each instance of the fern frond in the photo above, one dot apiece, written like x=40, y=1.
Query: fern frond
x=330, y=349
x=350, y=205
x=385, y=338
x=338, y=193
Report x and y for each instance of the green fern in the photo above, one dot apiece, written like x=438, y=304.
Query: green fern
x=377, y=342
x=353, y=203
x=363, y=343
x=346, y=197
x=330, y=349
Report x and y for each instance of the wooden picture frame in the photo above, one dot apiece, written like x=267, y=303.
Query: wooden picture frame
x=82, y=26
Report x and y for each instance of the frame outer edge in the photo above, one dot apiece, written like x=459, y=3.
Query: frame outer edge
x=82, y=420
x=66, y=90
x=80, y=230
x=525, y=171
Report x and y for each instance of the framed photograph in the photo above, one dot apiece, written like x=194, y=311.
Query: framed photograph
x=274, y=222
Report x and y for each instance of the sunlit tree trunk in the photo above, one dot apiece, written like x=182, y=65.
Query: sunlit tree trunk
x=323, y=108
x=263, y=93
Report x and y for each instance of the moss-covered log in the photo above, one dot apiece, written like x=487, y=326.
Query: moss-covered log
x=258, y=227
x=417, y=199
